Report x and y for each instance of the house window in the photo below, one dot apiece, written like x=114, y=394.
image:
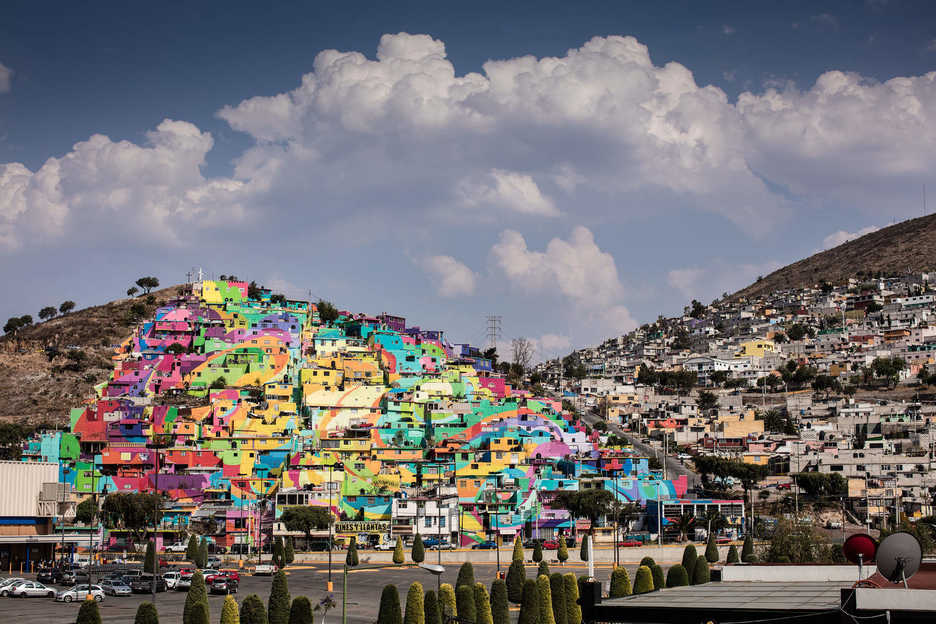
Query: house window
x=428, y=521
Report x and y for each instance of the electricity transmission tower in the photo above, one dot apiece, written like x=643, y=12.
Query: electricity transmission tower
x=493, y=330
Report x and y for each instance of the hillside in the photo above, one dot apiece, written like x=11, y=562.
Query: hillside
x=906, y=246
x=41, y=375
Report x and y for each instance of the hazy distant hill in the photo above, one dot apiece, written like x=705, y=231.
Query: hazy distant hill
x=35, y=388
x=905, y=246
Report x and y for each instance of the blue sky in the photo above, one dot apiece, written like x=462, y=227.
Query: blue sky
x=614, y=161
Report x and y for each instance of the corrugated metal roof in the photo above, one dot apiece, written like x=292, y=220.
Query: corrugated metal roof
x=21, y=483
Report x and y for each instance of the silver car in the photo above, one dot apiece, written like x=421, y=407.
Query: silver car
x=113, y=587
x=30, y=589
x=80, y=592
x=7, y=585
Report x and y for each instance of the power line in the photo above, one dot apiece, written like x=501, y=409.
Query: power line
x=493, y=330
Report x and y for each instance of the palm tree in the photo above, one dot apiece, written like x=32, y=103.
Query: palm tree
x=685, y=522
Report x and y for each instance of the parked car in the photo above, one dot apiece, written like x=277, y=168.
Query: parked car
x=784, y=486
x=445, y=546
x=178, y=547
x=80, y=592
x=630, y=543
x=115, y=587
x=386, y=544
x=264, y=569
x=171, y=579
x=213, y=562
x=530, y=543
x=488, y=545
x=550, y=544
x=223, y=584
x=30, y=589
x=429, y=542
x=143, y=584
x=67, y=579
x=49, y=575
x=7, y=584
x=183, y=584
x=7, y=590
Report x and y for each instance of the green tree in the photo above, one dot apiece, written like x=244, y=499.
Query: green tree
x=465, y=603
x=289, y=553
x=544, y=599
x=252, y=611
x=558, y=597
x=573, y=609
x=418, y=554
x=431, y=608
x=583, y=549
x=279, y=553
x=500, y=610
x=538, y=551
x=146, y=614
x=202, y=553
x=200, y=613
x=747, y=549
x=543, y=569
x=643, y=580
x=415, y=605
x=389, y=611
x=66, y=307
x=47, y=312
x=483, y=605
x=647, y=561
x=352, y=559
x=732, y=554
x=529, y=606
x=657, y=573
x=132, y=291
x=197, y=593
x=301, y=611
x=677, y=576
x=711, y=549
x=689, y=555
x=517, y=549
x=562, y=554
x=149, y=559
x=707, y=401
x=306, y=520
x=147, y=284
x=84, y=512
x=620, y=582
x=398, y=551
x=230, y=614
x=191, y=551
x=447, y=601
x=465, y=575
x=326, y=311
x=591, y=504
x=279, y=602
x=89, y=613
x=516, y=576
x=700, y=575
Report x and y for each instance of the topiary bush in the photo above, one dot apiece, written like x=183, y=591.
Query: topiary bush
x=299, y=613
x=583, y=549
x=563, y=553
x=279, y=553
x=483, y=605
x=147, y=614
x=647, y=561
x=711, y=549
x=149, y=559
x=500, y=609
x=415, y=605
x=732, y=555
x=529, y=606
x=351, y=558
x=89, y=613
x=431, y=608
x=389, y=611
x=700, y=574
x=398, y=551
x=197, y=593
x=465, y=575
x=689, y=555
x=279, y=602
x=544, y=598
x=447, y=601
x=290, y=552
x=573, y=609
x=517, y=549
x=418, y=554
x=191, y=551
x=643, y=580
x=202, y=554
x=537, y=551
x=557, y=595
x=747, y=549
x=543, y=569
x=516, y=575
x=620, y=583
x=199, y=613
x=657, y=573
x=252, y=611
x=677, y=576
x=465, y=603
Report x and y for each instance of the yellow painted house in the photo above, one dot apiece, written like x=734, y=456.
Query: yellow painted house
x=757, y=348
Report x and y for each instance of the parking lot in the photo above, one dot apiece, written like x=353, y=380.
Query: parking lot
x=364, y=588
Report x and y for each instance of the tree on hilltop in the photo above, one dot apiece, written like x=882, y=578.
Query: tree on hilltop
x=147, y=283
x=47, y=312
x=66, y=307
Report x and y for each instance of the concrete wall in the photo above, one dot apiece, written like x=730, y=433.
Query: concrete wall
x=795, y=573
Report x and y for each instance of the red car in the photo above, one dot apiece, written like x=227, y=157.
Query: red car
x=186, y=573
x=630, y=543
x=229, y=574
x=550, y=545
x=784, y=486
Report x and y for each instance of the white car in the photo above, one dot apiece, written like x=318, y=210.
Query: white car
x=179, y=547
x=385, y=546
x=29, y=589
x=264, y=569
x=80, y=592
x=172, y=578
x=7, y=584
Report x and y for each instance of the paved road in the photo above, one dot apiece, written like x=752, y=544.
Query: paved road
x=364, y=588
x=674, y=467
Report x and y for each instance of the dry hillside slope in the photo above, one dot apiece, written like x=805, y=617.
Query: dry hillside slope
x=41, y=382
x=905, y=246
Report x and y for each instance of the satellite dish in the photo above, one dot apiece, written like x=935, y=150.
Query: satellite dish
x=860, y=548
x=898, y=557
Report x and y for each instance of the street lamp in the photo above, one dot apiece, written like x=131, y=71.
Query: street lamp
x=330, y=545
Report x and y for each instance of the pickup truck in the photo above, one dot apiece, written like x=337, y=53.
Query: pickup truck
x=264, y=569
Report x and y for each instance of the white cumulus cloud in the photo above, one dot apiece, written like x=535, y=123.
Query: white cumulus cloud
x=507, y=190
x=453, y=278
x=837, y=238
